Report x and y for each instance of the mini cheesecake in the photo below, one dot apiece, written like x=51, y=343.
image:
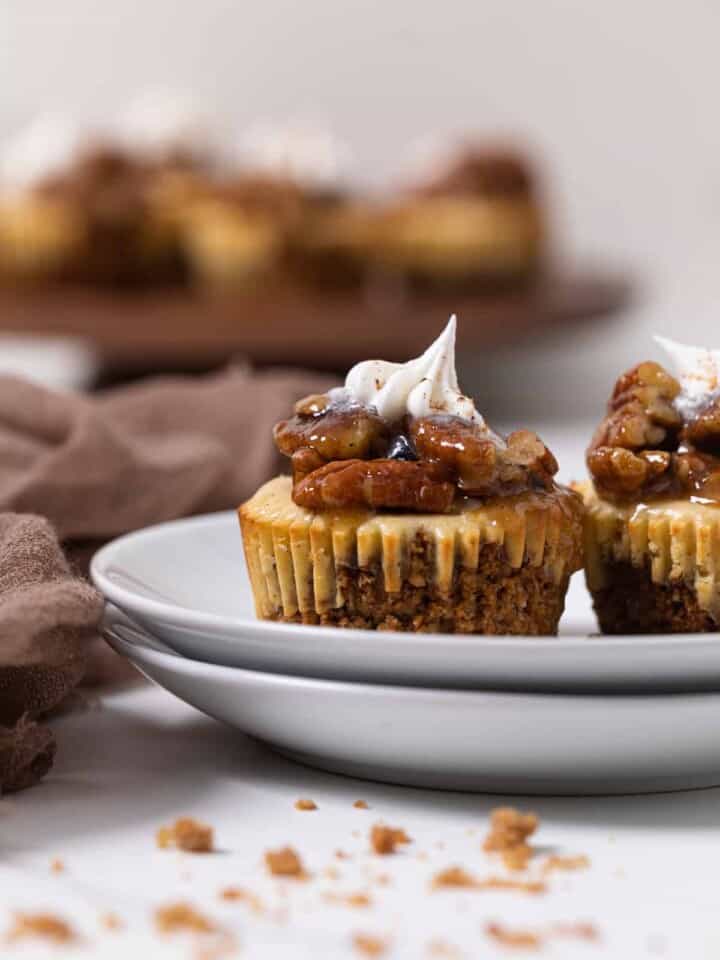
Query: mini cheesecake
x=406, y=512
x=477, y=218
x=652, y=518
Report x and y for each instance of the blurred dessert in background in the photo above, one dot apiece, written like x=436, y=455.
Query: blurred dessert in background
x=41, y=234
x=154, y=198
x=473, y=218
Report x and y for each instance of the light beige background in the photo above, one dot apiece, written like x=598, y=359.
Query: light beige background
x=618, y=99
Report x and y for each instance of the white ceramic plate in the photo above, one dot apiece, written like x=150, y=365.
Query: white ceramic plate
x=186, y=582
x=453, y=739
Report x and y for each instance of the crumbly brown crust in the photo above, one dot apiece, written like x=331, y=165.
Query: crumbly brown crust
x=384, y=840
x=630, y=602
x=186, y=834
x=492, y=599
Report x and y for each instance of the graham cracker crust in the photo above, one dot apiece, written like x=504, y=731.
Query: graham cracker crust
x=630, y=602
x=494, y=598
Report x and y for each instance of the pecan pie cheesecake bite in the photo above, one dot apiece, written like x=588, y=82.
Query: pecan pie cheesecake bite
x=652, y=528
x=475, y=218
x=405, y=511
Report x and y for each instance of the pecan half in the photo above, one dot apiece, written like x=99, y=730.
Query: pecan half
x=340, y=432
x=397, y=484
x=482, y=466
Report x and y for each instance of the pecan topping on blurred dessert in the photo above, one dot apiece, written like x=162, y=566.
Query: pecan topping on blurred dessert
x=648, y=447
x=402, y=436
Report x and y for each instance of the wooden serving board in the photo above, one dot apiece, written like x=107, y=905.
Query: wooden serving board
x=142, y=331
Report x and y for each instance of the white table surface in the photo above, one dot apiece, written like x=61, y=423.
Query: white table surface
x=140, y=758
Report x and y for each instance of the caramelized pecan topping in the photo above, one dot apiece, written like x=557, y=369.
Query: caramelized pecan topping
x=484, y=468
x=344, y=454
x=644, y=449
x=398, y=484
x=335, y=432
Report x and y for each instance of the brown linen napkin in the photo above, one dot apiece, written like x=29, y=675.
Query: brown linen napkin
x=97, y=466
x=47, y=617
x=101, y=465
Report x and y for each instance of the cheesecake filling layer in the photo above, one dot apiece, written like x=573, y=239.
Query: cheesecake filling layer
x=296, y=557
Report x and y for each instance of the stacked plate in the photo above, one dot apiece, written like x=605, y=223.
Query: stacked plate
x=578, y=713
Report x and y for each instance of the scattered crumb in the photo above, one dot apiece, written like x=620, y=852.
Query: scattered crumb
x=182, y=917
x=361, y=805
x=332, y=873
x=341, y=855
x=186, y=834
x=454, y=877
x=422, y=856
x=358, y=900
x=384, y=839
x=355, y=833
x=43, y=926
x=579, y=862
x=240, y=895
x=518, y=939
x=57, y=866
x=369, y=945
x=111, y=921
x=284, y=863
x=517, y=858
x=459, y=877
x=509, y=831
x=382, y=879
x=305, y=804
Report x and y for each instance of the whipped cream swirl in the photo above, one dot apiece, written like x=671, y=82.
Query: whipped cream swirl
x=422, y=387
x=698, y=370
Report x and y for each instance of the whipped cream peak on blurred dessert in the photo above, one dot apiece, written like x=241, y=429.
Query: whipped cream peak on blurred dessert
x=697, y=369
x=425, y=386
x=310, y=157
x=161, y=124
x=40, y=150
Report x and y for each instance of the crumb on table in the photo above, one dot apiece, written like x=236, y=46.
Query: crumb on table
x=459, y=877
x=384, y=839
x=186, y=834
x=517, y=939
x=241, y=895
x=111, y=921
x=57, y=866
x=182, y=917
x=42, y=926
x=284, y=863
x=508, y=835
x=304, y=804
x=361, y=805
x=369, y=945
